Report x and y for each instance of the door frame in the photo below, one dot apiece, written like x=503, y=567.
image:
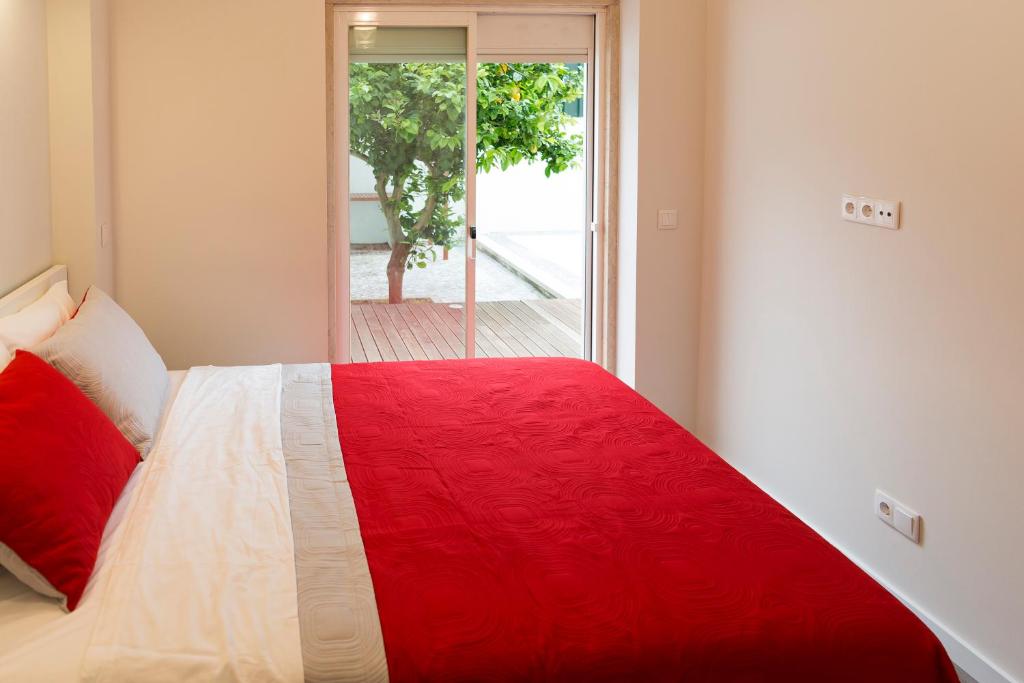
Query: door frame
x=601, y=329
x=343, y=19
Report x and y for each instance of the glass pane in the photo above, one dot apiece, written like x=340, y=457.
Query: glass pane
x=405, y=44
x=407, y=94
x=532, y=213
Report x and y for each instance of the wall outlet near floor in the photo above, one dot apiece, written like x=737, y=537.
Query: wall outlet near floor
x=883, y=213
x=898, y=516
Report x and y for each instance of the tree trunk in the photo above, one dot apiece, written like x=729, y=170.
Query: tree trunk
x=396, y=238
x=400, y=248
x=396, y=271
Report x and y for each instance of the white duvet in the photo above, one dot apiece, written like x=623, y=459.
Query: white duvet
x=197, y=580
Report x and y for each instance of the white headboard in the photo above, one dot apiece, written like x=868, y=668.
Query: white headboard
x=32, y=290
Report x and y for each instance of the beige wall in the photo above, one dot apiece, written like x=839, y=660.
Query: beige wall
x=24, y=158
x=662, y=164
x=220, y=177
x=80, y=140
x=838, y=358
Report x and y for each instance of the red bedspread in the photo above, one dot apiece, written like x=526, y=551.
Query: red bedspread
x=536, y=519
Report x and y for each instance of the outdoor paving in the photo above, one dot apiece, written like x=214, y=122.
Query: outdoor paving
x=441, y=282
x=552, y=259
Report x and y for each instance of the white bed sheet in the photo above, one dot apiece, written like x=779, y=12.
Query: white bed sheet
x=38, y=640
x=202, y=587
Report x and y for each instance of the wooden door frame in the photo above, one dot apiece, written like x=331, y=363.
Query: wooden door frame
x=606, y=13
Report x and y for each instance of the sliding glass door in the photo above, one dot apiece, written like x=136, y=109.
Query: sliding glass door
x=407, y=177
x=532, y=208
x=433, y=268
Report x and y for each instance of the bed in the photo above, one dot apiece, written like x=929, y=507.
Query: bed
x=498, y=520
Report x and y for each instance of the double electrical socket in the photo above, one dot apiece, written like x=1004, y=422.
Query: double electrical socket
x=898, y=516
x=883, y=213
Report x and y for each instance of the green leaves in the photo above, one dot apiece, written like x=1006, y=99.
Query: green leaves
x=440, y=141
x=407, y=121
x=409, y=128
x=521, y=115
x=549, y=82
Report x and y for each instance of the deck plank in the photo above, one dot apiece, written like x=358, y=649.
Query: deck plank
x=569, y=311
x=432, y=331
x=369, y=344
x=543, y=330
x=566, y=314
x=569, y=340
x=524, y=337
x=378, y=334
x=488, y=344
x=425, y=340
x=539, y=328
x=485, y=330
x=503, y=330
x=441, y=337
x=356, y=346
x=449, y=326
x=390, y=332
x=405, y=332
x=484, y=347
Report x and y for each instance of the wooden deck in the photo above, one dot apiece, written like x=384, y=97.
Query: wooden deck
x=430, y=331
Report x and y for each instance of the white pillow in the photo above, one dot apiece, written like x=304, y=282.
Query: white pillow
x=106, y=354
x=36, y=322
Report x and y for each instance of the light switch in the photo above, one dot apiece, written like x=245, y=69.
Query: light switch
x=907, y=523
x=668, y=219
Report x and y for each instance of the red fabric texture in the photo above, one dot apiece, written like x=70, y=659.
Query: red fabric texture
x=537, y=520
x=63, y=464
x=79, y=306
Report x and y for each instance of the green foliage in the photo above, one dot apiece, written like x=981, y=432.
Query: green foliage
x=407, y=123
x=521, y=115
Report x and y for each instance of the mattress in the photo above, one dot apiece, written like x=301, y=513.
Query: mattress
x=514, y=520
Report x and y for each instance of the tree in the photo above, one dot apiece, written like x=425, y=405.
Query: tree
x=407, y=123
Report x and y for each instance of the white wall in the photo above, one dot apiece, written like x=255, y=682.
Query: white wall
x=662, y=167
x=24, y=146
x=838, y=358
x=629, y=171
x=220, y=198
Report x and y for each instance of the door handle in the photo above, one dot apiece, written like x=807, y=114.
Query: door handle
x=472, y=242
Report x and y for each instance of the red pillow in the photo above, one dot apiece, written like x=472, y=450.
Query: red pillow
x=63, y=464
